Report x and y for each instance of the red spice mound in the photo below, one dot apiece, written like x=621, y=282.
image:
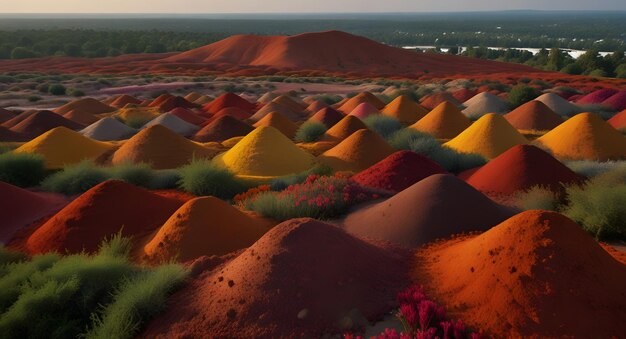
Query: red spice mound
x=88, y=105
x=188, y=115
x=433, y=100
x=21, y=208
x=327, y=116
x=398, y=171
x=616, y=102
x=537, y=274
x=9, y=135
x=124, y=100
x=5, y=115
x=223, y=128
x=101, y=212
x=228, y=100
x=618, y=121
x=303, y=278
x=159, y=100
x=433, y=208
x=464, y=94
x=520, y=168
x=315, y=106
x=533, y=115
x=351, y=103
x=175, y=102
x=81, y=117
x=596, y=97
x=234, y=112
x=43, y=121
x=18, y=118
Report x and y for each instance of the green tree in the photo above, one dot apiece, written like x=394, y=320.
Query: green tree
x=522, y=94
x=556, y=59
x=22, y=53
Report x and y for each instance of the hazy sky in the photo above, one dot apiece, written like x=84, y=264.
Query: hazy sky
x=274, y=6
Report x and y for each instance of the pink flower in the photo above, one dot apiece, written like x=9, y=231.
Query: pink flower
x=426, y=311
x=426, y=334
x=458, y=328
x=410, y=314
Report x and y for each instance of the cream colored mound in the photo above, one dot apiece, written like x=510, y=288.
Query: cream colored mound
x=489, y=136
x=357, y=152
x=161, y=148
x=61, y=146
x=445, y=121
x=204, y=226
x=265, y=153
x=585, y=137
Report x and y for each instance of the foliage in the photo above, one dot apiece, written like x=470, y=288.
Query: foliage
x=310, y=131
x=22, y=169
x=384, y=125
x=522, y=94
x=74, y=179
x=281, y=183
x=56, y=89
x=203, y=178
x=537, y=198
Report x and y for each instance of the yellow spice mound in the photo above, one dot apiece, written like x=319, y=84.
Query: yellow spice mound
x=404, y=109
x=445, y=121
x=138, y=113
x=359, y=151
x=61, y=146
x=204, y=226
x=161, y=148
x=265, y=153
x=280, y=122
x=585, y=137
x=489, y=136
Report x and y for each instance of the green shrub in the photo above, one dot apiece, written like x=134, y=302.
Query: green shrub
x=74, y=179
x=22, y=169
x=310, y=131
x=591, y=169
x=56, y=89
x=401, y=140
x=384, y=125
x=8, y=257
x=34, y=98
x=75, y=92
x=522, y=94
x=136, y=174
x=537, y=198
x=597, y=73
x=573, y=69
x=165, y=179
x=43, y=88
x=203, y=178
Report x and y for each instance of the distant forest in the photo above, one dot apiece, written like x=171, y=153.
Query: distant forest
x=97, y=36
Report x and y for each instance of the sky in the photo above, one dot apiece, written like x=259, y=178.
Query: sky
x=296, y=6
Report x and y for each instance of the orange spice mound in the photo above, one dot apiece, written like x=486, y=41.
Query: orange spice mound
x=204, y=226
x=315, y=106
x=358, y=99
x=82, y=117
x=327, y=116
x=289, y=102
x=405, y=110
x=303, y=278
x=124, y=100
x=357, y=152
x=89, y=105
x=223, y=128
x=234, y=112
x=618, y=121
x=445, y=121
x=533, y=115
x=280, y=122
x=287, y=111
x=434, y=100
x=537, y=274
x=344, y=128
x=101, y=212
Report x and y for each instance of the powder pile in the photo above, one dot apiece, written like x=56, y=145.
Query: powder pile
x=405, y=110
x=364, y=110
x=616, y=102
x=344, y=128
x=223, y=128
x=279, y=122
x=81, y=117
x=280, y=108
x=88, y=105
x=124, y=100
x=188, y=115
x=358, y=99
x=174, y=123
x=107, y=129
x=618, y=121
x=533, y=116
x=436, y=99
x=327, y=116
x=357, y=152
x=42, y=121
x=596, y=97
x=559, y=105
x=484, y=103
x=228, y=100
x=443, y=122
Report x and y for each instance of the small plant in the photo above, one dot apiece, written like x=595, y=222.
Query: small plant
x=136, y=174
x=203, y=178
x=74, y=179
x=384, y=125
x=310, y=131
x=522, y=94
x=56, y=89
x=538, y=198
x=22, y=169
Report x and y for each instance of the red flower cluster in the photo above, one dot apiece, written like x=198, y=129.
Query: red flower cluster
x=251, y=193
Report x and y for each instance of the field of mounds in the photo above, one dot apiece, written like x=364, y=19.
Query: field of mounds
x=464, y=208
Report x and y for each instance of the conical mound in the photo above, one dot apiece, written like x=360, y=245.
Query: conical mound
x=193, y=96
x=443, y=122
x=315, y=107
x=61, y=146
x=489, y=136
x=618, y=121
x=88, y=105
x=597, y=97
x=276, y=107
x=585, y=137
x=616, y=102
x=405, y=110
x=174, y=123
x=124, y=100
x=203, y=226
x=434, y=100
x=533, y=116
x=436, y=207
x=464, y=94
x=559, y=105
x=267, y=97
x=107, y=129
x=228, y=100
x=265, y=152
x=519, y=169
x=5, y=115
x=357, y=152
x=188, y=115
x=537, y=274
x=137, y=113
x=43, y=121
x=9, y=135
x=18, y=118
x=280, y=122
x=327, y=116
x=81, y=117
x=99, y=213
x=364, y=110
x=398, y=171
x=159, y=100
x=22, y=207
x=289, y=102
x=223, y=128
x=203, y=100
x=175, y=102
x=161, y=148
x=347, y=283
x=484, y=103
x=344, y=128
x=358, y=99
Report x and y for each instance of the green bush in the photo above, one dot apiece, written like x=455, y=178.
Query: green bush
x=34, y=98
x=310, y=131
x=384, y=125
x=74, y=179
x=165, y=179
x=591, y=169
x=203, y=178
x=22, y=169
x=136, y=174
x=597, y=73
x=22, y=53
x=522, y=94
x=537, y=198
x=75, y=92
x=56, y=89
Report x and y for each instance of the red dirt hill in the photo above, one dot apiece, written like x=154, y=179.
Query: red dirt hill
x=227, y=100
x=537, y=274
x=322, y=279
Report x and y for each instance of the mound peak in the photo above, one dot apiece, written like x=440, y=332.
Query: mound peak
x=42, y=121
x=559, y=105
x=329, y=292
x=107, y=129
x=174, y=123
x=280, y=122
x=433, y=100
x=228, y=100
x=618, y=121
x=483, y=103
x=345, y=128
x=436, y=207
x=405, y=110
x=175, y=102
x=597, y=97
x=533, y=275
x=358, y=99
x=357, y=152
x=315, y=106
x=99, y=213
x=223, y=128
x=327, y=116
x=88, y=105
x=533, y=115
x=444, y=122
x=364, y=110
x=489, y=136
x=124, y=100
x=280, y=108
x=188, y=115
x=234, y=112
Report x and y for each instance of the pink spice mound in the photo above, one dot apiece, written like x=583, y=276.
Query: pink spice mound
x=596, y=97
x=398, y=171
x=304, y=278
x=616, y=102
